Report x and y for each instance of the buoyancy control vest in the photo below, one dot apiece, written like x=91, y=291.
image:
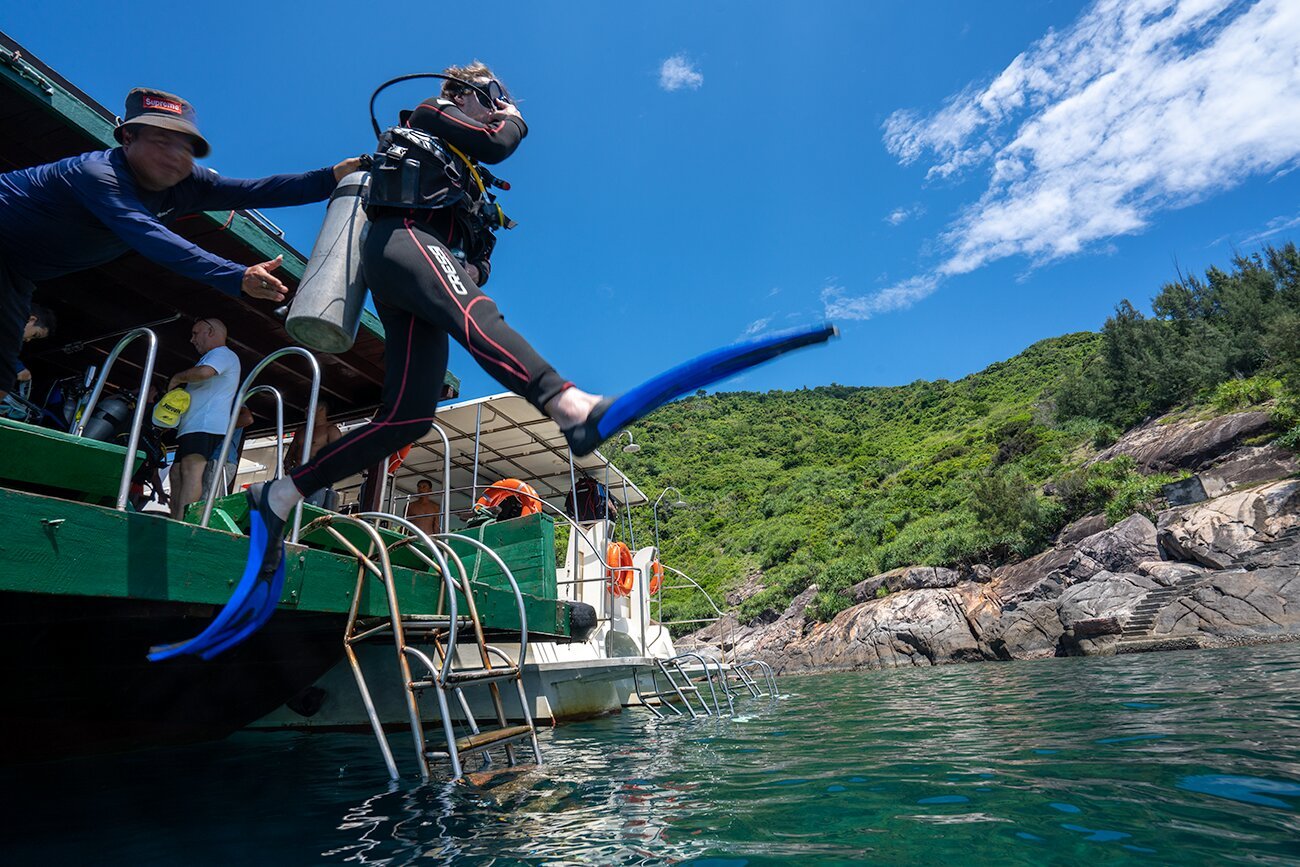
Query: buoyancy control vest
x=413, y=169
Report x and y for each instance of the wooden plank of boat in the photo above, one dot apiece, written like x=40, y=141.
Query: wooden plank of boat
x=55, y=546
x=526, y=544
x=59, y=462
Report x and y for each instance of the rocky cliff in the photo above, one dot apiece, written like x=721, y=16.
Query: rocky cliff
x=1224, y=568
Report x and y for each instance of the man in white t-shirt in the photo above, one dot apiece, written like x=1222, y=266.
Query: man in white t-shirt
x=212, y=384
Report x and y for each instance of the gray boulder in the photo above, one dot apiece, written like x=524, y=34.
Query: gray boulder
x=1249, y=466
x=777, y=643
x=1165, y=444
x=1123, y=546
x=1081, y=529
x=1224, y=532
x=1030, y=630
x=1106, y=595
x=910, y=628
x=1043, y=576
x=1166, y=573
x=904, y=578
x=1230, y=607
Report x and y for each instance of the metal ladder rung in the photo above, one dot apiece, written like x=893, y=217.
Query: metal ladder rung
x=482, y=675
x=459, y=678
x=491, y=737
x=441, y=632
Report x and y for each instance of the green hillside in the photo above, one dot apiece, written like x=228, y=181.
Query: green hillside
x=832, y=485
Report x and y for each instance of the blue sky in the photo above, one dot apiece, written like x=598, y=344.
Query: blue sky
x=949, y=181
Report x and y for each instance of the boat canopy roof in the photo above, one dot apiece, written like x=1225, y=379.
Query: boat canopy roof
x=514, y=441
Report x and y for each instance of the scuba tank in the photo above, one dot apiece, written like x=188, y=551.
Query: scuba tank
x=326, y=309
x=111, y=418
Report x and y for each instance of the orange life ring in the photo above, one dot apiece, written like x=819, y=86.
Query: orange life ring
x=498, y=491
x=395, y=461
x=620, y=574
x=656, y=576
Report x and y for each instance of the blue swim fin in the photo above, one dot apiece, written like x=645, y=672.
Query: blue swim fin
x=250, y=606
x=611, y=415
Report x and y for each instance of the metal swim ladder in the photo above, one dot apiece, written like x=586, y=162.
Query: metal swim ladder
x=439, y=633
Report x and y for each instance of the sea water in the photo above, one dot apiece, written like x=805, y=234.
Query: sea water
x=1173, y=758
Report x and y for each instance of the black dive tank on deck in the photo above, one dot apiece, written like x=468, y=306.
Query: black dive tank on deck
x=111, y=418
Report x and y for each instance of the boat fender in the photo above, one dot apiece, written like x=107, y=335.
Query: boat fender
x=308, y=702
x=326, y=309
x=619, y=571
x=582, y=621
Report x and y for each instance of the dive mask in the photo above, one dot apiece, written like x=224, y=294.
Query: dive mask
x=489, y=93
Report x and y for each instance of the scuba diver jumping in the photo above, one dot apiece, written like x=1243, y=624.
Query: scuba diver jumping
x=425, y=255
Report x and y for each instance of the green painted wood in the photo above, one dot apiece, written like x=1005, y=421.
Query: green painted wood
x=526, y=544
x=235, y=509
x=33, y=456
x=62, y=547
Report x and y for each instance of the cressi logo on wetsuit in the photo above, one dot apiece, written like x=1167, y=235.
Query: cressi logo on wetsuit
x=444, y=262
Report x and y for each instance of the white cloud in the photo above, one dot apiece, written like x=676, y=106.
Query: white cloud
x=1275, y=226
x=757, y=326
x=839, y=306
x=677, y=72
x=1139, y=107
x=902, y=215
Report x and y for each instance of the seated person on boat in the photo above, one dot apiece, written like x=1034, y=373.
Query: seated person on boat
x=86, y=210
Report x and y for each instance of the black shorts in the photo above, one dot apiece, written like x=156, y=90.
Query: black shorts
x=15, y=307
x=205, y=444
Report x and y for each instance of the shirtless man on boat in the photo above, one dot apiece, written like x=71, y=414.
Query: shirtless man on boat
x=422, y=511
x=86, y=210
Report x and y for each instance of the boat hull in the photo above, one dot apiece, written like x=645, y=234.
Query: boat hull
x=83, y=685
x=563, y=685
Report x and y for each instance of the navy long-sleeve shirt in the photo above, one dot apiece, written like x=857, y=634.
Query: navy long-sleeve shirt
x=86, y=210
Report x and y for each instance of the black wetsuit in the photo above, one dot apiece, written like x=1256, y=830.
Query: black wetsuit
x=423, y=293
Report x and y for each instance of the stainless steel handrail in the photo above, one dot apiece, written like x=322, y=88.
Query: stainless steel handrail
x=137, y=420
x=444, y=520
x=219, y=477
x=308, y=428
x=279, y=422
x=436, y=558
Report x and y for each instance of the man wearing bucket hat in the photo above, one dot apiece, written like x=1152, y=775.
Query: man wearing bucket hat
x=86, y=210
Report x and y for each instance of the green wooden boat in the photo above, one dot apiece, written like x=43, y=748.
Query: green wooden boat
x=87, y=588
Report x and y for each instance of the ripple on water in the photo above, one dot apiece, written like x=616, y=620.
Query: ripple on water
x=1187, y=758
x=1248, y=790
